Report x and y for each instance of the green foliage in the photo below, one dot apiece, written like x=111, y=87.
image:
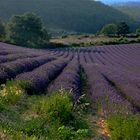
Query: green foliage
x=27, y=30
x=124, y=127
x=123, y=29
x=138, y=40
x=2, y=29
x=138, y=31
x=123, y=40
x=68, y=133
x=109, y=29
x=87, y=16
x=58, y=107
x=52, y=117
x=132, y=11
x=11, y=93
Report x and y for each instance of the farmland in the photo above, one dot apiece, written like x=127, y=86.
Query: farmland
x=112, y=73
x=92, y=40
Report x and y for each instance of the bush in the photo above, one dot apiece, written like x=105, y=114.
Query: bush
x=124, y=127
x=27, y=30
x=109, y=29
x=54, y=117
x=58, y=107
x=11, y=93
x=123, y=29
x=138, y=32
x=123, y=40
x=138, y=39
x=2, y=30
x=61, y=117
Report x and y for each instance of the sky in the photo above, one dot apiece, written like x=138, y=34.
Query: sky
x=116, y=1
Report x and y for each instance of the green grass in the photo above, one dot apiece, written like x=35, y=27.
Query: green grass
x=124, y=127
x=91, y=40
x=55, y=117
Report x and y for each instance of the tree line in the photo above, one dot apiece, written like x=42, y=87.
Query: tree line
x=121, y=29
x=28, y=30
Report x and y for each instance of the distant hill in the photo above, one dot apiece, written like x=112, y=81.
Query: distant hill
x=130, y=8
x=86, y=16
x=128, y=4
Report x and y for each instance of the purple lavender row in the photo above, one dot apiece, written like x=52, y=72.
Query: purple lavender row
x=112, y=60
x=127, y=73
x=129, y=55
x=39, y=78
x=103, y=93
x=128, y=59
x=132, y=67
x=128, y=89
x=8, y=52
x=131, y=72
x=3, y=52
x=11, y=69
x=130, y=76
x=12, y=57
x=117, y=55
x=13, y=48
x=69, y=79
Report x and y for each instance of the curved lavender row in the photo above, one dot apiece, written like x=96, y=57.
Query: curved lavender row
x=102, y=92
x=131, y=66
x=129, y=76
x=69, y=79
x=130, y=70
x=11, y=69
x=14, y=52
x=39, y=78
x=13, y=48
x=128, y=89
x=125, y=59
x=13, y=57
x=112, y=60
x=3, y=52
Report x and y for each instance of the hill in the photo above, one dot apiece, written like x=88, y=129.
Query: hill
x=85, y=16
x=130, y=8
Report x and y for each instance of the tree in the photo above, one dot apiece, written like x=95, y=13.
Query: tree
x=109, y=29
x=2, y=29
x=26, y=30
x=123, y=29
x=138, y=31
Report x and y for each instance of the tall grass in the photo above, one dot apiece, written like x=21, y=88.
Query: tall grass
x=124, y=127
x=55, y=117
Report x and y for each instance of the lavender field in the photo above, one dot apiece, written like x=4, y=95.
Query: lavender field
x=112, y=72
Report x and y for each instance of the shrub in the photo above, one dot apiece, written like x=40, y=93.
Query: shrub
x=123, y=29
x=57, y=107
x=61, y=116
x=138, y=32
x=10, y=93
x=109, y=29
x=124, y=127
x=54, y=117
x=122, y=40
x=138, y=39
x=27, y=30
x=2, y=29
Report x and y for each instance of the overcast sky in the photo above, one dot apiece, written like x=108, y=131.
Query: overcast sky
x=115, y=1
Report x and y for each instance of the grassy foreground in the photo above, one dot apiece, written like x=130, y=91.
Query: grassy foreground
x=56, y=117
